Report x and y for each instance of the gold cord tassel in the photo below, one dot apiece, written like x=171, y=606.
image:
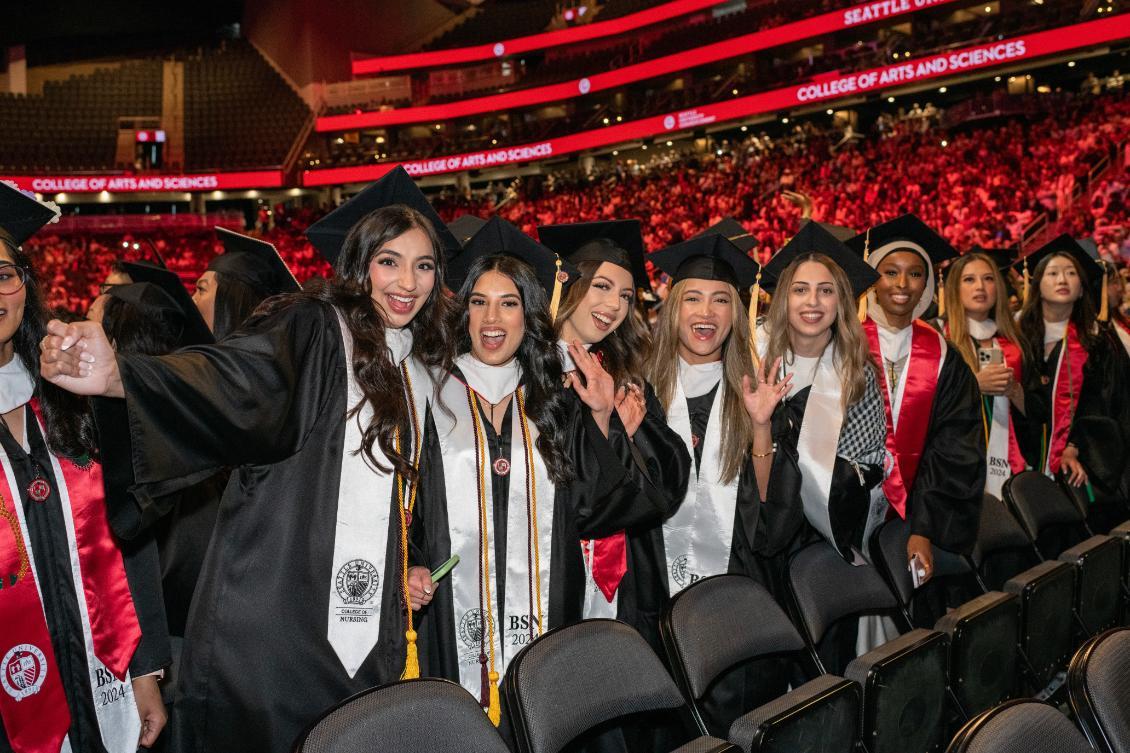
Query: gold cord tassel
x=941, y=295
x=494, y=710
x=412, y=656
x=861, y=313
x=1104, y=299
x=555, y=300
x=754, y=296
x=1026, y=283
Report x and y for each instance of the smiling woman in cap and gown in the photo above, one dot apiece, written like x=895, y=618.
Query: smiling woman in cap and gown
x=518, y=470
x=316, y=403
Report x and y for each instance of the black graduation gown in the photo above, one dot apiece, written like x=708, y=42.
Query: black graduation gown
x=270, y=401
x=602, y=499
x=944, y=505
x=659, y=464
x=51, y=559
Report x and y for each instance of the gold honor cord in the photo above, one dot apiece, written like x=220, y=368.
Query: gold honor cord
x=17, y=534
x=494, y=706
x=862, y=312
x=412, y=656
x=532, y=491
x=754, y=296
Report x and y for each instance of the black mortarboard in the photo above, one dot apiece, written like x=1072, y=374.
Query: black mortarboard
x=255, y=263
x=814, y=238
x=839, y=232
x=733, y=231
x=497, y=236
x=1003, y=257
x=905, y=232
x=464, y=226
x=22, y=215
x=196, y=330
x=328, y=234
x=709, y=256
x=1065, y=244
x=150, y=299
x=583, y=241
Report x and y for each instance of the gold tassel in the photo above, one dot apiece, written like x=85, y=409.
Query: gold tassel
x=1026, y=283
x=941, y=295
x=754, y=295
x=494, y=710
x=412, y=660
x=1104, y=304
x=555, y=300
x=861, y=313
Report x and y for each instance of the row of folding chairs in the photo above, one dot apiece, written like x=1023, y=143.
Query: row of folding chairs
x=1098, y=681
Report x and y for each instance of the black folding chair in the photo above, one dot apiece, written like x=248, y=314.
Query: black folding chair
x=728, y=620
x=1021, y=726
x=825, y=589
x=984, y=655
x=553, y=700
x=1098, y=684
x=1122, y=534
x=888, y=553
x=1002, y=549
x=404, y=717
x=1098, y=582
x=1047, y=598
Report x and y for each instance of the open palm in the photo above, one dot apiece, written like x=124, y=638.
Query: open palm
x=761, y=397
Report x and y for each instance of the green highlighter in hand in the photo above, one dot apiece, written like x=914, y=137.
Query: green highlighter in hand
x=441, y=572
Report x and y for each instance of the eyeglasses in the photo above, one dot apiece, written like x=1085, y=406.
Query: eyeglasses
x=12, y=278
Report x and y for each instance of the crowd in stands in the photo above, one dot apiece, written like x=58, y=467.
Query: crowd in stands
x=979, y=186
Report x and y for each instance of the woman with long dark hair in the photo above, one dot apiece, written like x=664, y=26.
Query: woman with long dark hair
x=81, y=626
x=518, y=472
x=981, y=328
x=603, y=311
x=238, y=280
x=317, y=403
x=1075, y=373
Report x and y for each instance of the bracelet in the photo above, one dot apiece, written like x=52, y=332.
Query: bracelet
x=753, y=454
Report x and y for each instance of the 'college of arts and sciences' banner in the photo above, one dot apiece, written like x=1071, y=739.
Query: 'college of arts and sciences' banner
x=49, y=184
x=820, y=89
x=808, y=28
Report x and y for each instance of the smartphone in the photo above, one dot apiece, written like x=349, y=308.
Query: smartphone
x=917, y=572
x=990, y=356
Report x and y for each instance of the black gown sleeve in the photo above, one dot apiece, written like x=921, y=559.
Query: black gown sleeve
x=1101, y=418
x=143, y=574
x=944, y=505
x=656, y=457
x=252, y=399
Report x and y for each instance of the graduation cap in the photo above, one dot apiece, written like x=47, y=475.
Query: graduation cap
x=22, y=215
x=1094, y=272
x=150, y=299
x=1002, y=257
x=907, y=233
x=497, y=236
x=196, y=330
x=813, y=237
x=709, y=256
x=734, y=232
x=464, y=226
x=253, y=262
x=582, y=241
x=328, y=234
x=839, y=232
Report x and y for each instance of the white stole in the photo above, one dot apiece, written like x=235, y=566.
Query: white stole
x=361, y=534
x=114, y=703
x=996, y=454
x=462, y=477
x=698, y=536
x=818, y=441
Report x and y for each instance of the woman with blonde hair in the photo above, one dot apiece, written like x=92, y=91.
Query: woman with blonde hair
x=981, y=329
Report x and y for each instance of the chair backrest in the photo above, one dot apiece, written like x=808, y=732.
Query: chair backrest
x=388, y=719
x=550, y=690
x=999, y=530
x=1019, y=727
x=827, y=588
x=1098, y=682
x=699, y=632
x=1038, y=503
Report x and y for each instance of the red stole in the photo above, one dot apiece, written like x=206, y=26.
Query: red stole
x=32, y=704
x=921, y=380
x=1065, y=395
x=1014, y=359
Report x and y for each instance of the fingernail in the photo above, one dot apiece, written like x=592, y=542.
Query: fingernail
x=427, y=590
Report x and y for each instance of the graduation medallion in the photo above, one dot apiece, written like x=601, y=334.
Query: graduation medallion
x=39, y=490
x=501, y=466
